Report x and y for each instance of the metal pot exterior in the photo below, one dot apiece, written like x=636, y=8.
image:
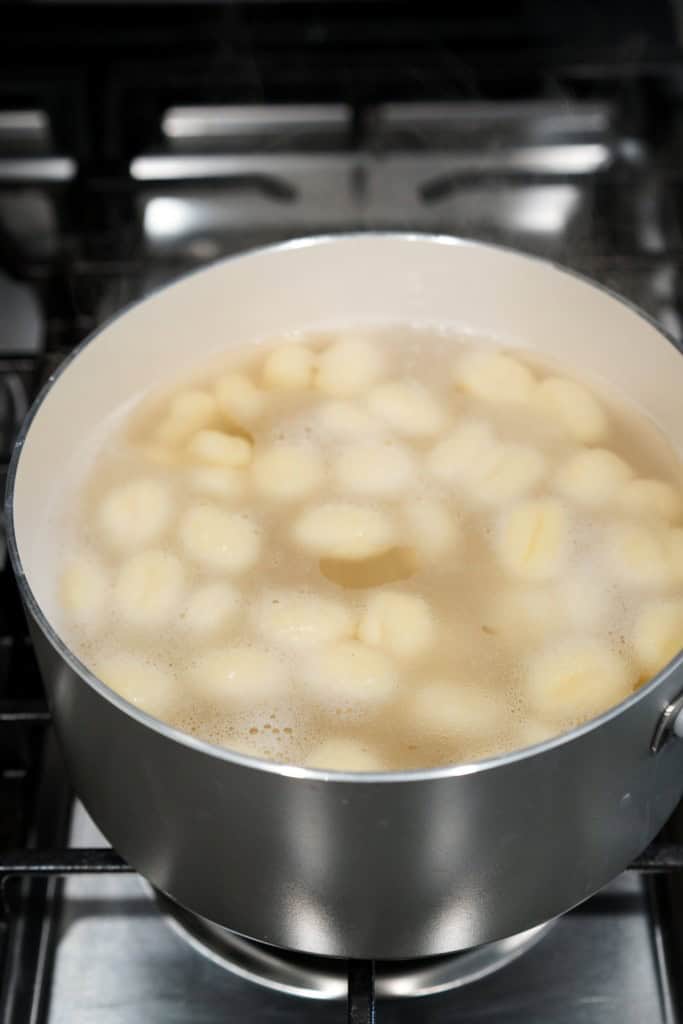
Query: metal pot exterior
x=386, y=869
x=389, y=866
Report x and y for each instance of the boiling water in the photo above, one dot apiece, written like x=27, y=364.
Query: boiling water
x=376, y=550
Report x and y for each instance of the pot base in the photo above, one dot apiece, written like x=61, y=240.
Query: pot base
x=325, y=978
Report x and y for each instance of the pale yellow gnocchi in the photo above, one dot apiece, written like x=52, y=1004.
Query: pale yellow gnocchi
x=299, y=621
x=494, y=376
x=350, y=676
x=289, y=368
x=577, y=679
x=532, y=539
x=376, y=469
x=136, y=680
x=344, y=530
x=658, y=635
x=368, y=550
x=400, y=623
x=287, y=472
x=349, y=367
x=218, y=540
x=135, y=513
x=408, y=408
x=148, y=588
x=239, y=676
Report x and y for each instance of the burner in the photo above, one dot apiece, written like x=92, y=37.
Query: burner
x=325, y=978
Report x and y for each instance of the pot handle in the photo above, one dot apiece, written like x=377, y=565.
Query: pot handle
x=670, y=724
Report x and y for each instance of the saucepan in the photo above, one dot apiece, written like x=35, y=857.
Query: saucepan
x=387, y=865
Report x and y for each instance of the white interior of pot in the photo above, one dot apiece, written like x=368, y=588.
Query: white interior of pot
x=518, y=301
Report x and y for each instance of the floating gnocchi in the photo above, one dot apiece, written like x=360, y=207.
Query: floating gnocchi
x=136, y=680
x=351, y=676
x=289, y=368
x=658, y=635
x=639, y=554
x=210, y=608
x=593, y=476
x=532, y=539
x=516, y=471
x=573, y=408
x=216, y=481
x=343, y=421
x=349, y=367
x=287, y=472
x=408, y=408
x=215, y=448
x=432, y=528
x=84, y=589
x=302, y=621
x=577, y=680
x=148, y=588
x=240, y=676
x=449, y=707
x=653, y=499
x=494, y=376
x=375, y=549
x=238, y=399
x=375, y=469
x=401, y=623
x=135, y=513
x=469, y=454
x=218, y=540
x=344, y=530
x=188, y=412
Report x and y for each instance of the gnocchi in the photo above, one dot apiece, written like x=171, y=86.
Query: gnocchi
x=302, y=621
x=287, y=472
x=593, y=476
x=220, y=541
x=343, y=530
x=148, y=588
x=402, y=624
x=408, y=408
x=573, y=408
x=375, y=469
x=375, y=549
x=145, y=685
x=289, y=368
x=532, y=539
x=576, y=680
x=494, y=376
x=349, y=367
x=135, y=513
x=350, y=676
x=239, y=676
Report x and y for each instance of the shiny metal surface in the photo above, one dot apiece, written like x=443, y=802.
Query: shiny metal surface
x=25, y=130
x=324, y=978
x=597, y=965
x=471, y=123
x=267, y=125
x=669, y=725
x=557, y=159
x=37, y=168
x=379, y=866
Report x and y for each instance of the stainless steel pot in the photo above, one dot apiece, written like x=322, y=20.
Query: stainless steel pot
x=388, y=865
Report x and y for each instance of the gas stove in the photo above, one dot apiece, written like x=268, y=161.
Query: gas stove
x=134, y=147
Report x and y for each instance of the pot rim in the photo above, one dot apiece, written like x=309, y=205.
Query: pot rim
x=223, y=753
